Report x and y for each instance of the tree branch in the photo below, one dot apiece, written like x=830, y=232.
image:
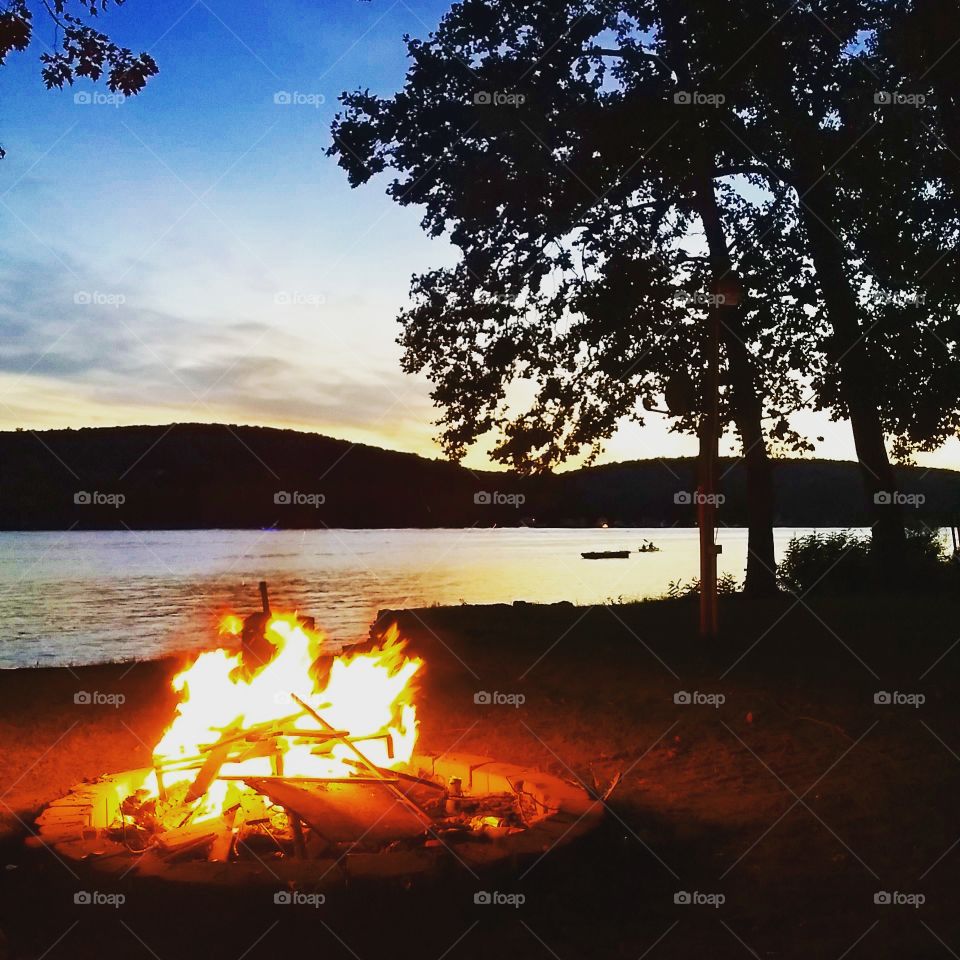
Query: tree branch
x=627, y=53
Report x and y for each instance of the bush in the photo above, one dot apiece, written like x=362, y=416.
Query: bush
x=678, y=589
x=842, y=563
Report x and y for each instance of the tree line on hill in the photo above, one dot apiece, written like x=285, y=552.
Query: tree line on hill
x=212, y=475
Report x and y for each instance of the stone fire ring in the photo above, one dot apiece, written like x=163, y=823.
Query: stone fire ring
x=73, y=827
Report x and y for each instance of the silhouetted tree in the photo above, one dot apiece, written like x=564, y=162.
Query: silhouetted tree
x=83, y=50
x=814, y=97
x=549, y=143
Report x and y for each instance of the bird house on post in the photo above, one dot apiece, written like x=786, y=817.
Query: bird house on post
x=728, y=290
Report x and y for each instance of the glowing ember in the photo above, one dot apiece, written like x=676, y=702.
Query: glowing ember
x=235, y=722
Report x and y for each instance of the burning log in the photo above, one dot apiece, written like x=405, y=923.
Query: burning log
x=247, y=778
x=429, y=796
x=421, y=815
x=345, y=812
x=211, y=767
x=193, y=838
x=268, y=728
x=222, y=845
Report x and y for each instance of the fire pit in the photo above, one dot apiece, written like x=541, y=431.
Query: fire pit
x=286, y=763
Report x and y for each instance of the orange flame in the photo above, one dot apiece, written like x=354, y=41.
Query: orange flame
x=368, y=696
x=232, y=625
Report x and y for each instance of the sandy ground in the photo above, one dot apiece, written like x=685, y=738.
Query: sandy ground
x=797, y=799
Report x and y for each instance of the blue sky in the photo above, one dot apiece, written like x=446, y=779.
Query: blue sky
x=192, y=254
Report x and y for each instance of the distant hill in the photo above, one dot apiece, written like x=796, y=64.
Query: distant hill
x=203, y=475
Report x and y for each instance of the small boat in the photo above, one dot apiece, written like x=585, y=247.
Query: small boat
x=605, y=555
x=648, y=547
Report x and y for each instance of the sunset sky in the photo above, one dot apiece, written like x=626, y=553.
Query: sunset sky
x=191, y=254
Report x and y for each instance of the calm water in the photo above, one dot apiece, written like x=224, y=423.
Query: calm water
x=71, y=598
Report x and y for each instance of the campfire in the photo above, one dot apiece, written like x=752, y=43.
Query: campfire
x=283, y=752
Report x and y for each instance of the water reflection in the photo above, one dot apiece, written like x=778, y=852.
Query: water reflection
x=91, y=597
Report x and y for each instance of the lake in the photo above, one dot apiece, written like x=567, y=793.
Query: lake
x=90, y=597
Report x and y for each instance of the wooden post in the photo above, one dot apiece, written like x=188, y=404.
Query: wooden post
x=299, y=844
x=264, y=597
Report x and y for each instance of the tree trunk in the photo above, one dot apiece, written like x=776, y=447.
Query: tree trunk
x=858, y=385
x=761, y=579
x=761, y=575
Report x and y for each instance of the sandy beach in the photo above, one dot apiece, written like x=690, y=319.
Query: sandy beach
x=796, y=785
